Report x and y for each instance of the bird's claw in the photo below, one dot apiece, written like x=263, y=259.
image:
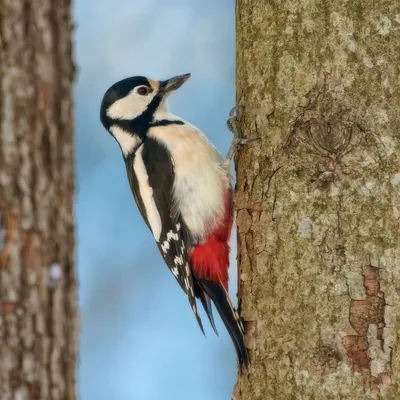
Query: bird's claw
x=234, y=119
x=234, y=110
x=233, y=124
x=246, y=141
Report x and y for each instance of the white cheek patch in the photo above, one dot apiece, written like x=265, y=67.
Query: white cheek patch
x=130, y=106
x=146, y=193
x=126, y=141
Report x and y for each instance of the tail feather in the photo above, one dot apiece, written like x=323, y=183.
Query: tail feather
x=229, y=316
x=210, y=314
x=193, y=304
x=206, y=302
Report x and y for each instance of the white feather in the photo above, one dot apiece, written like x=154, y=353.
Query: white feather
x=146, y=193
x=200, y=181
x=126, y=141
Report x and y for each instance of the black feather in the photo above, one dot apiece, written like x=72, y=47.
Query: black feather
x=174, y=241
x=206, y=302
x=166, y=122
x=229, y=316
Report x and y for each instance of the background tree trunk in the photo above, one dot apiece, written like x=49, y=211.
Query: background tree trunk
x=319, y=198
x=38, y=305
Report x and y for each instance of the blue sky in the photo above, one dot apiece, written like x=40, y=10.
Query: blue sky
x=139, y=338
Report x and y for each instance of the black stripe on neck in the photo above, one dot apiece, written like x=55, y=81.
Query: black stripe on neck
x=165, y=122
x=141, y=124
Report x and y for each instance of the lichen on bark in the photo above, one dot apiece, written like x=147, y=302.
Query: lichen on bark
x=318, y=198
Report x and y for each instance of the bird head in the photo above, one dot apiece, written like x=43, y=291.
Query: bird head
x=137, y=98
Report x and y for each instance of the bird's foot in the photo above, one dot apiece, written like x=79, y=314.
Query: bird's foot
x=233, y=124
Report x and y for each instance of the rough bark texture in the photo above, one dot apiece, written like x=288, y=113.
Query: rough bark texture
x=319, y=198
x=38, y=306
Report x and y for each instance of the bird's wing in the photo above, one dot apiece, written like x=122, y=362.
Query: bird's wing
x=151, y=176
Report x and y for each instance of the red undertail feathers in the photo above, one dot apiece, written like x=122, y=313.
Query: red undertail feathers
x=210, y=259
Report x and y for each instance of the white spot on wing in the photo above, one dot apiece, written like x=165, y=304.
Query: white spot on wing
x=178, y=260
x=172, y=235
x=175, y=271
x=146, y=193
x=187, y=283
x=126, y=141
x=165, y=246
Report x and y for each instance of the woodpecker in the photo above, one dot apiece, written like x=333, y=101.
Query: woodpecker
x=182, y=187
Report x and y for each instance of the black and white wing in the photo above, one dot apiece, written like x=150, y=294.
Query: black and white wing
x=151, y=177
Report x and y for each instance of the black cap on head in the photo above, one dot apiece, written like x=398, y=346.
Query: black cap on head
x=117, y=91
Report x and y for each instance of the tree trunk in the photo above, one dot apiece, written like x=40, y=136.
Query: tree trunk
x=318, y=198
x=38, y=305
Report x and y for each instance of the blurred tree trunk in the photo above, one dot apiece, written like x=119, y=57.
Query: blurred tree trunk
x=38, y=305
x=319, y=198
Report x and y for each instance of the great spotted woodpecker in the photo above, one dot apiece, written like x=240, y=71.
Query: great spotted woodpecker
x=182, y=188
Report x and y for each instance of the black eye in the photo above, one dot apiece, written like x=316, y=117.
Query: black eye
x=143, y=90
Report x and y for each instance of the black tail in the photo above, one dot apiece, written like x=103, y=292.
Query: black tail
x=206, y=302
x=229, y=316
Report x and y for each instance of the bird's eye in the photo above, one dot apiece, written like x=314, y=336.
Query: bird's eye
x=143, y=90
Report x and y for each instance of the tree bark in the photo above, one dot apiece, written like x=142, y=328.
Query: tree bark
x=38, y=295
x=318, y=198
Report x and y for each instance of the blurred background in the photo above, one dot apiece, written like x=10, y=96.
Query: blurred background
x=139, y=338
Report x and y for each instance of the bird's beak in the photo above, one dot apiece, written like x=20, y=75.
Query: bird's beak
x=170, y=85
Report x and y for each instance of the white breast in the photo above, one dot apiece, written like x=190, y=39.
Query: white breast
x=200, y=181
